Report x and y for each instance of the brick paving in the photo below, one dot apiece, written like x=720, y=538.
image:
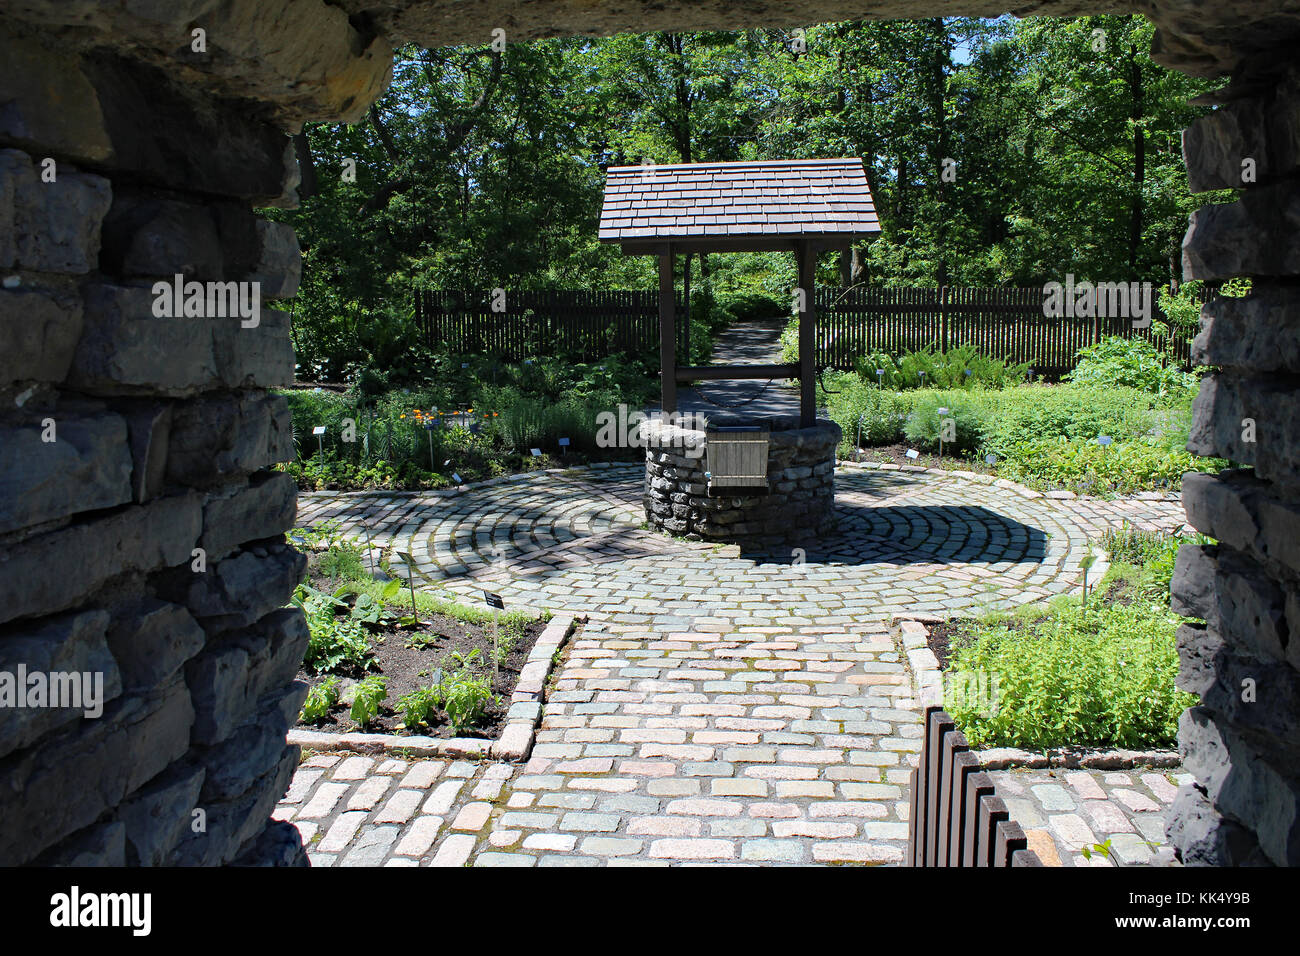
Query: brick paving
x=719, y=706
x=1063, y=811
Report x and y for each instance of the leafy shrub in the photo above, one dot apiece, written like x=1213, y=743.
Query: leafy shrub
x=969, y=420
x=869, y=415
x=367, y=696
x=333, y=641
x=320, y=700
x=1089, y=468
x=1070, y=412
x=961, y=367
x=342, y=562
x=1129, y=363
x=420, y=706
x=1096, y=675
x=465, y=698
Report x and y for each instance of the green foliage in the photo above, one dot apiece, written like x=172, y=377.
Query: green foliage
x=1150, y=553
x=333, y=641
x=465, y=698
x=1092, y=469
x=1123, y=362
x=962, y=367
x=320, y=700
x=367, y=696
x=420, y=706
x=342, y=562
x=1100, y=675
x=968, y=417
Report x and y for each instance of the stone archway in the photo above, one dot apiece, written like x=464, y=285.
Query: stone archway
x=145, y=541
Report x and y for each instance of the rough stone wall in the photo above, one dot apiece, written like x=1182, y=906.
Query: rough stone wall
x=1243, y=740
x=801, y=481
x=140, y=528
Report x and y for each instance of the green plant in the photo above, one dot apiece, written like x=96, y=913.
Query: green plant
x=951, y=416
x=320, y=700
x=332, y=640
x=419, y=707
x=367, y=696
x=342, y=562
x=1099, y=675
x=1129, y=363
x=465, y=698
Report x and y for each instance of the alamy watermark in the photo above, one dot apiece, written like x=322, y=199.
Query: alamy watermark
x=211, y=300
x=1127, y=300
x=74, y=690
x=623, y=429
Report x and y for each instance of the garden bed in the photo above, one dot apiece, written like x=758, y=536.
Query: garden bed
x=410, y=658
x=383, y=661
x=1072, y=676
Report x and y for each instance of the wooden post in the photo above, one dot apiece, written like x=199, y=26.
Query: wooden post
x=667, y=331
x=807, y=336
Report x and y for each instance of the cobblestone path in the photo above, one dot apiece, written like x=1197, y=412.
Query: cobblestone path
x=1064, y=811
x=718, y=705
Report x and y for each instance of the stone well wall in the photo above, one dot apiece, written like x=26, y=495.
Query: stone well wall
x=801, y=482
x=1243, y=740
x=140, y=528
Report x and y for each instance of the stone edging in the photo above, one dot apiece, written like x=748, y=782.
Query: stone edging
x=979, y=478
x=927, y=681
x=1006, y=483
x=516, y=740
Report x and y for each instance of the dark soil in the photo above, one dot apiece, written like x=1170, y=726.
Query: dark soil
x=897, y=454
x=407, y=657
x=947, y=637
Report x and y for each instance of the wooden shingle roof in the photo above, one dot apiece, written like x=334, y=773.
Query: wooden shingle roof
x=768, y=200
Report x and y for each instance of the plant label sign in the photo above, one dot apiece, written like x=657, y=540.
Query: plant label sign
x=494, y=600
x=564, y=443
x=455, y=476
x=536, y=452
x=913, y=453
x=318, y=430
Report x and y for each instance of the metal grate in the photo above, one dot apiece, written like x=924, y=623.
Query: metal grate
x=736, y=459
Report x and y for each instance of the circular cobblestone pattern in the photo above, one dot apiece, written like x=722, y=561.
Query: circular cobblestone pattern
x=719, y=706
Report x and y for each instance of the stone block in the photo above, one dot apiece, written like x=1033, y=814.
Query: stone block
x=66, y=651
x=1202, y=836
x=149, y=236
x=57, y=570
x=213, y=440
x=279, y=265
x=49, y=107
x=1249, y=421
x=103, y=844
x=87, y=467
x=39, y=329
x=234, y=765
x=1222, y=506
x=228, y=679
x=77, y=774
x=158, y=815
x=1198, y=649
x=232, y=825
x=239, y=589
x=1260, y=332
x=55, y=224
x=1240, y=238
x=264, y=507
x=149, y=427
x=151, y=641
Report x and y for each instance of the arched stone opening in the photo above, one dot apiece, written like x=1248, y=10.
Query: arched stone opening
x=145, y=541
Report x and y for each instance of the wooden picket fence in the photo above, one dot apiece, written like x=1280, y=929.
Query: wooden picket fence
x=580, y=324
x=1004, y=323
x=956, y=817
x=591, y=324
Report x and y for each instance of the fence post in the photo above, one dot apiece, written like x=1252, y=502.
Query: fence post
x=943, y=318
